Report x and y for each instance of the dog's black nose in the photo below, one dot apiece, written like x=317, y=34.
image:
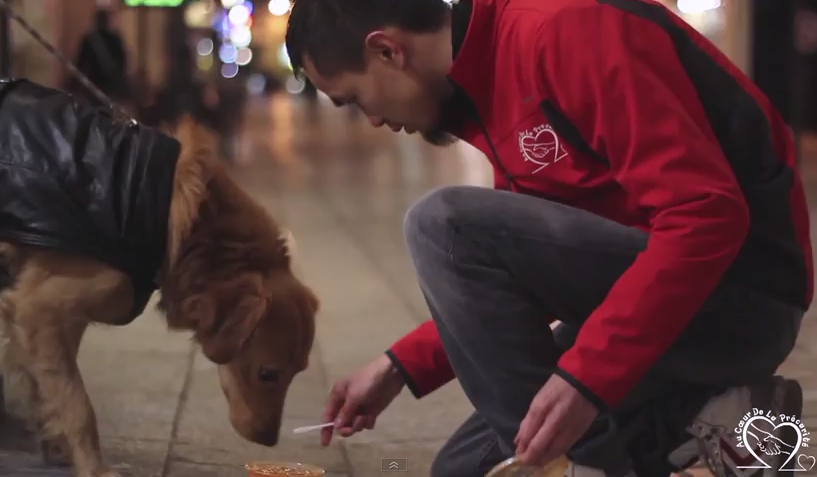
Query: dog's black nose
x=265, y=438
x=257, y=432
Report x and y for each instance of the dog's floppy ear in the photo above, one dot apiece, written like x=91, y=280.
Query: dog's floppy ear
x=225, y=316
x=289, y=243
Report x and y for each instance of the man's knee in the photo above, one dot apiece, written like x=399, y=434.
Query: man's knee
x=435, y=216
x=446, y=465
x=442, y=467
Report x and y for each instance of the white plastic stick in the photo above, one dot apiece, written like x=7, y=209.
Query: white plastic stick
x=301, y=430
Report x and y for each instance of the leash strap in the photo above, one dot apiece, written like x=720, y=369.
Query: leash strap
x=102, y=97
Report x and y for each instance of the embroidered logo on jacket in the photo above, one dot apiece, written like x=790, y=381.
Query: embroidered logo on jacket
x=541, y=146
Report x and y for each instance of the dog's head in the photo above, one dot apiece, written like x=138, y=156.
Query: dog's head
x=258, y=326
x=259, y=329
x=229, y=279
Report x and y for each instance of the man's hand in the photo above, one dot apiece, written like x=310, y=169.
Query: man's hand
x=558, y=417
x=357, y=400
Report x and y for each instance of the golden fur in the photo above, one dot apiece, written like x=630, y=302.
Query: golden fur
x=226, y=278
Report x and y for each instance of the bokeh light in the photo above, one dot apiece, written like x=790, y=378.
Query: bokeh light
x=227, y=53
x=279, y=8
x=239, y=15
x=697, y=6
x=229, y=70
x=243, y=56
x=241, y=36
x=205, y=47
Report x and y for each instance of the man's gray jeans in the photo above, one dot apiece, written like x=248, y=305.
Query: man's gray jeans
x=495, y=266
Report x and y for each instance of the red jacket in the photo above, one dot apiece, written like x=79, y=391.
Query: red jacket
x=619, y=108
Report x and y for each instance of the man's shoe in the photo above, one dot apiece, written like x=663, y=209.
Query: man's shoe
x=575, y=470
x=750, y=432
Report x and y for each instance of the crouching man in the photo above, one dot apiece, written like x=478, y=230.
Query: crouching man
x=645, y=197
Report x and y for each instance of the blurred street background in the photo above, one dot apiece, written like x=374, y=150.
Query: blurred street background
x=342, y=187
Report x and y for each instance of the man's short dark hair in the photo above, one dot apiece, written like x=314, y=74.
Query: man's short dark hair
x=332, y=32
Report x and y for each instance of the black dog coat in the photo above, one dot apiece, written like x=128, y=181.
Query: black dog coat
x=74, y=179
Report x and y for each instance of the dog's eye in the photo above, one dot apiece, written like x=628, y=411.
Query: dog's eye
x=267, y=374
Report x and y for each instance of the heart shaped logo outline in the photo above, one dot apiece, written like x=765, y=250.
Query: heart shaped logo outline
x=809, y=458
x=530, y=145
x=749, y=448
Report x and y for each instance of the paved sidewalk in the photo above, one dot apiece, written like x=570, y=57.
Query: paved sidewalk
x=342, y=189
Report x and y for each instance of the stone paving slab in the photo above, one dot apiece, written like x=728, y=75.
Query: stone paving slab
x=367, y=459
x=136, y=458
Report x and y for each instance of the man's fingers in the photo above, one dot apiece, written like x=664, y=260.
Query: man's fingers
x=347, y=413
x=546, y=444
x=529, y=427
x=334, y=403
x=360, y=423
x=522, y=437
x=345, y=431
x=326, y=436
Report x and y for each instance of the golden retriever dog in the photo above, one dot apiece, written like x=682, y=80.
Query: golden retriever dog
x=226, y=277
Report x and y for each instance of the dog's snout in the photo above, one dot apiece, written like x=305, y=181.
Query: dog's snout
x=265, y=438
x=261, y=435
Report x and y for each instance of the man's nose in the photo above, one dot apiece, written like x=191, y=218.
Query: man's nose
x=376, y=121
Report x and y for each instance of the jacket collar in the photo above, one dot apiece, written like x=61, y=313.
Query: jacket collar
x=472, y=32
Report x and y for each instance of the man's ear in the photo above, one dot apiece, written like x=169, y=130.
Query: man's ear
x=225, y=316
x=385, y=47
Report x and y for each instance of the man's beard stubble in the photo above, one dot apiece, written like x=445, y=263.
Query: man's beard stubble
x=438, y=137
x=450, y=112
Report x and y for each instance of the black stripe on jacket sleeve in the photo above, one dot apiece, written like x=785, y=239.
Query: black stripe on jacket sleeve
x=404, y=374
x=583, y=390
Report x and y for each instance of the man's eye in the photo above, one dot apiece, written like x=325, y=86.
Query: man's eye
x=267, y=375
